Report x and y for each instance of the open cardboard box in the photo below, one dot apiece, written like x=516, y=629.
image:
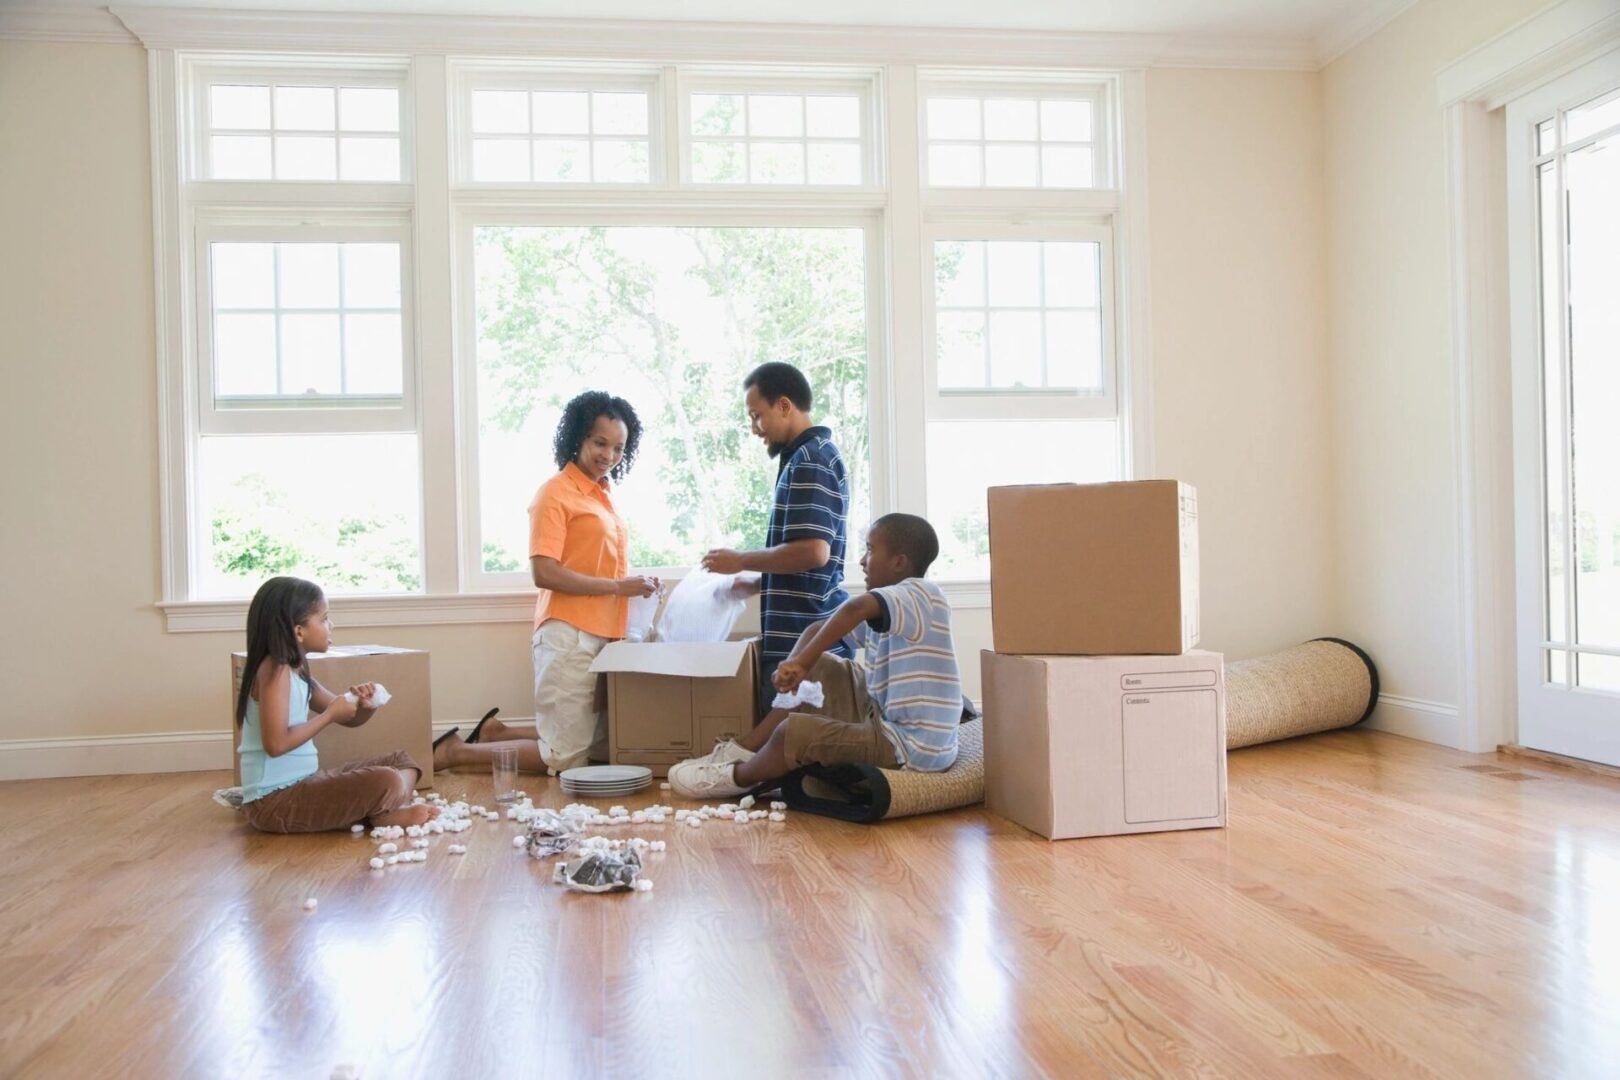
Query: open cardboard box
x=668, y=701
x=405, y=723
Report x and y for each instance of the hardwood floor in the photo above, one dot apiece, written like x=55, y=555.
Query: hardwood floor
x=1377, y=907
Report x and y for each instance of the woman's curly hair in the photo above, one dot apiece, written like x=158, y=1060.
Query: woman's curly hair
x=576, y=422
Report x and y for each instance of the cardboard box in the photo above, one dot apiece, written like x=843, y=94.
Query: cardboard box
x=405, y=723
x=1094, y=569
x=1103, y=745
x=668, y=701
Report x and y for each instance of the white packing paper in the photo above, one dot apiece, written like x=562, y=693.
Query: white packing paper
x=701, y=608
x=379, y=696
x=809, y=693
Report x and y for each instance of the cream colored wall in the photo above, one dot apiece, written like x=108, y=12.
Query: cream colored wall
x=83, y=650
x=1237, y=341
x=1239, y=328
x=1388, y=352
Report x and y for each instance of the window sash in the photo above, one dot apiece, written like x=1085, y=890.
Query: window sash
x=575, y=78
x=1101, y=143
x=345, y=72
x=1020, y=403
x=863, y=89
x=290, y=414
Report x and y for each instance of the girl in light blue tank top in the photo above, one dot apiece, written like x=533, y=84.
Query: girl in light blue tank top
x=281, y=709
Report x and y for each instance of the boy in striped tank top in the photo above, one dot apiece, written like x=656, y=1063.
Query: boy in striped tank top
x=898, y=706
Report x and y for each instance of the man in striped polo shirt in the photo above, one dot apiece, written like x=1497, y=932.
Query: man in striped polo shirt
x=899, y=706
x=801, y=567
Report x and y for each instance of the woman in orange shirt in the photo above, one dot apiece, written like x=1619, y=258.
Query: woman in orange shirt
x=579, y=557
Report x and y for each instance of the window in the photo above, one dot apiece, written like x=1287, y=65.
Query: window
x=287, y=128
x=671, y=318
x=777, y=137
x=1020, y=347
x=307, y=320
x=1021, y=358
x=1012, y=140
x=1018, y=315
x=539, y=128
x=305, y=328
x=386, y=276
x=299, y=416
x=1577, y=179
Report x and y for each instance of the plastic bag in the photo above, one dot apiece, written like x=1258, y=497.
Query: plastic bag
x=551, y=833
x=642, y=610
x=701, y=608
x=599, y=872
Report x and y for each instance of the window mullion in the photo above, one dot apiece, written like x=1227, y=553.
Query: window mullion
x=675, y=136
x=275, y=310
x=901, y=426
x=443, y=534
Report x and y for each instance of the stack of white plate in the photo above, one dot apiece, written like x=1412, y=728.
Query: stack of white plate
x=604, y=781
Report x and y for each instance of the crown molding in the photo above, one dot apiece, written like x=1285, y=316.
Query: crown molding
x=1356, y=25
x=40, y=22
x=1253, y=53
x=1522, y=57
x=668, y=41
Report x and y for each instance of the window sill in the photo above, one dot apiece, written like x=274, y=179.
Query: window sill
x=207, y=616
x=451, y=609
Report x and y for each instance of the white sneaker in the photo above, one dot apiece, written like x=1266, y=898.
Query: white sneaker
x=700, y=779
x=727, y=752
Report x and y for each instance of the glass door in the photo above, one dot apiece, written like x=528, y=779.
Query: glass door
x=1564, y=249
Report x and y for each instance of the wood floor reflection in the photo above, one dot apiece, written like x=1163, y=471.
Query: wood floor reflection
x=1378, y=907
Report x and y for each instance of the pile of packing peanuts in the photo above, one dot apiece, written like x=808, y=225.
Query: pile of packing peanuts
x=604, y=864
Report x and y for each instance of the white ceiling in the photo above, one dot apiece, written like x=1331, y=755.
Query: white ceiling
x=1326, y=26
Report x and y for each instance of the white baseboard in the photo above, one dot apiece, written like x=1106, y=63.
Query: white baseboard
x=1431, y=721
x=157, y=752
x=111, y=755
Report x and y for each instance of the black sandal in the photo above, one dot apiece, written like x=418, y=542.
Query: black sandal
x=477, y=731
x=445, y=736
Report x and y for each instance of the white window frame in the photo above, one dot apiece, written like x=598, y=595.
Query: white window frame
x=470, y=75
x=1114, y=214
x=289, y=414
x=1036, y=403
x=1054, y=86
x=469, y=220
x=350, y=71
x=434, y=197
x=864, y=85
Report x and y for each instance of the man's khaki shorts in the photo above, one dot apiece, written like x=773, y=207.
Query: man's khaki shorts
x=846, y=730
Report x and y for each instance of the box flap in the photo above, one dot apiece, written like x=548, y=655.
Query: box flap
x=359, y=650
x=696, y=659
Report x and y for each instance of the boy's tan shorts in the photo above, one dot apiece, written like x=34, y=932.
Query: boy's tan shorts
x=846, y=730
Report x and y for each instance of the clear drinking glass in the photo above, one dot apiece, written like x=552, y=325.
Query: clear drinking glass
x=503, y=769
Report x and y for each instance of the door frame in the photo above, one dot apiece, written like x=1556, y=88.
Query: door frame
x=1472, y=92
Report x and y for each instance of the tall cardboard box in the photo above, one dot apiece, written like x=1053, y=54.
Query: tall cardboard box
x=1094, y=569
x=405, y=723
x=668, y=701
x=1103, y=745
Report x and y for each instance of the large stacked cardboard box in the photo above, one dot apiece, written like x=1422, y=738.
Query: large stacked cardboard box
x=1101, y=716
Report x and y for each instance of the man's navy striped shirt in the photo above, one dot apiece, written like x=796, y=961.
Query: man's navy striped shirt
x=811, y=503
